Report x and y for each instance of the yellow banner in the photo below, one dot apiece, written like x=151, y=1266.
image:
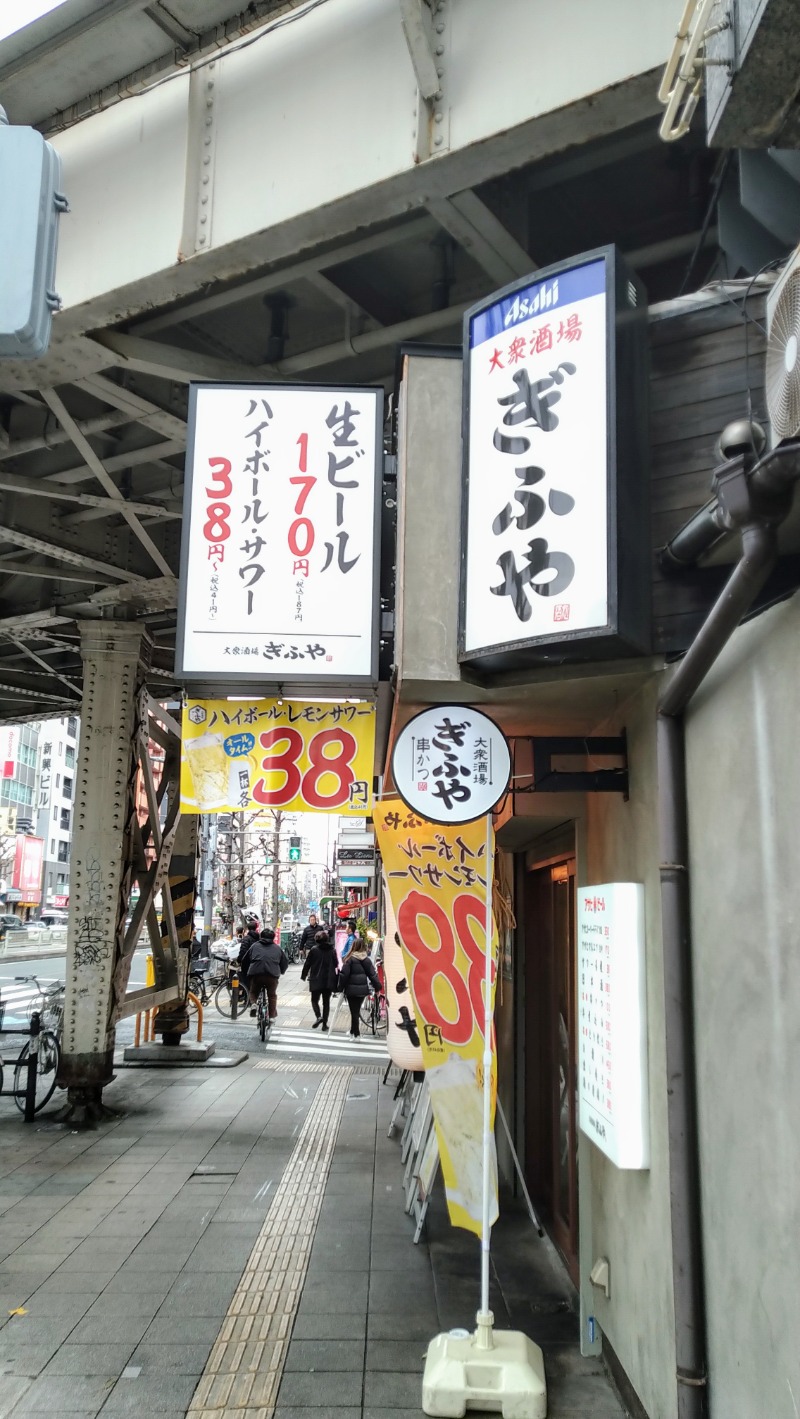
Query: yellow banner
x=437, y=882
x=301, y=757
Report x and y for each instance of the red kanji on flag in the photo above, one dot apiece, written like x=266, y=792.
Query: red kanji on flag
x=495, y=363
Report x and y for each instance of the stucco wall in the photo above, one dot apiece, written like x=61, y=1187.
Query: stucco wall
x=744, y=798
x=630, y=1216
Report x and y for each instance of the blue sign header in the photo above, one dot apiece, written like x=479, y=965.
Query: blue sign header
x=537, y=299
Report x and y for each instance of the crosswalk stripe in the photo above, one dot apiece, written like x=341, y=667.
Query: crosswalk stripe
x=352, y=1051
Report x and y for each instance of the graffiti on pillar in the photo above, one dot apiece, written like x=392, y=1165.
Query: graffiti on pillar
x=91, y=946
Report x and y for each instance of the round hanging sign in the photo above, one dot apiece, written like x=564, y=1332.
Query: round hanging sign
x=451, y=764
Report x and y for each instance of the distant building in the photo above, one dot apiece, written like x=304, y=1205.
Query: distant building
x=54, y=808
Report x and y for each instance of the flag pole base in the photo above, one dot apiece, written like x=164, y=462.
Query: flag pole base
x=501, y=1371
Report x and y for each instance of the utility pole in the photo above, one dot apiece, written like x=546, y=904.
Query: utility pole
x=277, y=820
x=209, y=852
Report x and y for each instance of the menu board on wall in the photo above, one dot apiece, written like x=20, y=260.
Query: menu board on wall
x=612, y=1007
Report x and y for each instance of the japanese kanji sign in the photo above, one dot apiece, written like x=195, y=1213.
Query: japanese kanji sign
x=540, y=516
x=279, y=550
x=437, y=883
x=451, y=764
x=612, y=1021
x=306, y=758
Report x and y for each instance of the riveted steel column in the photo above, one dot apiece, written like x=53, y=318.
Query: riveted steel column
x=113, y=655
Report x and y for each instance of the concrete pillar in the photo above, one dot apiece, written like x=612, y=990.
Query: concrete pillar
x=112, y=654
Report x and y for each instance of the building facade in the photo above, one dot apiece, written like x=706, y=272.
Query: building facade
x=55, y=804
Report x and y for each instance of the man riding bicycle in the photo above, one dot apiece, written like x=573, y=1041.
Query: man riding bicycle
x=267, y=965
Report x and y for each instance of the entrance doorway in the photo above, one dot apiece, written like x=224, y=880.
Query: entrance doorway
x=551, y=1048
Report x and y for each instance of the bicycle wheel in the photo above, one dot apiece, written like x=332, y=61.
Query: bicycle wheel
x=197, y=985
x=382, y=1016
x=223, y=999
x=46, y=1070
x=262, y=1017
x=367, y=1012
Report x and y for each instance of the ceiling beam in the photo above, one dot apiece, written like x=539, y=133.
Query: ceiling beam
x=99, y=385
x=35, y=569
x=418, y=229
x=38, y=488
x=88, y=454
x=169, y=362
x=152, y=453
x=64, y=554
x=470, y=222
x=37, y=660
x=175, y=364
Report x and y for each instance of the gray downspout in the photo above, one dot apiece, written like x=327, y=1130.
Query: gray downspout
x=758, y=526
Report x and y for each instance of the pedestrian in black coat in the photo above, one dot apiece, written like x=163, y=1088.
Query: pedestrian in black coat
x=320, y=968
x=358, y=976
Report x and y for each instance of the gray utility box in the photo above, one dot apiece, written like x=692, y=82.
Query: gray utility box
x=30, y=205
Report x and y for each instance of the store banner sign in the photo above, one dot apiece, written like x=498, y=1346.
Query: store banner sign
x=280, y=541
x=402, y=1034
x=436, y=877
x=612, y=1000
x=27, y=871
x=298, y=756
x=543, y=537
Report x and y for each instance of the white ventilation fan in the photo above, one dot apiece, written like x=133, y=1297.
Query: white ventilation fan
x=783, y=353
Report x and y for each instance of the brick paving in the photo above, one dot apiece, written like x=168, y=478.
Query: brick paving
x=234, y=1245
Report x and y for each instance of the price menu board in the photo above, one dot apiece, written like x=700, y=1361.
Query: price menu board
x=612, y=1018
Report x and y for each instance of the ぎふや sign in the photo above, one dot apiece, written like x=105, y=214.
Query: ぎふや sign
x=251, y=754
x=451, y=764
x=555, y=504
x=280, y=547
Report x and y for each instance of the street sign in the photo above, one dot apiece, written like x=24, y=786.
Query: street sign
x=356, y=857
x=451, y=764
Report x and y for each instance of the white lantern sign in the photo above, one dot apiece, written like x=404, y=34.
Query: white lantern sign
x=451, y=764
x=279, y=574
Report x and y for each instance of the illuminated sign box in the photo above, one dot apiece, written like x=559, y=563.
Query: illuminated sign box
x=280, y=536
x=555, y=539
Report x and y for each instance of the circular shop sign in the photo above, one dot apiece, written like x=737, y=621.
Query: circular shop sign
x=451, y=764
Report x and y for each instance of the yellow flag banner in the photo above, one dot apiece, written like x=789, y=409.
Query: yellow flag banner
x=437, y=882
x=299, y=756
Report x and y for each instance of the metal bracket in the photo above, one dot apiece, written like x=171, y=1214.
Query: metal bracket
x=547, y=779
x=426, y=36
x=199, y=190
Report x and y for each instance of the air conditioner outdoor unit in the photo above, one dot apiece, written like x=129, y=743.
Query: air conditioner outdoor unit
x=783, y=353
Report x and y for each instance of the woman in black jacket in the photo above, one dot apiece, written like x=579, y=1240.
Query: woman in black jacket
x=357, y=978
x=320, y=969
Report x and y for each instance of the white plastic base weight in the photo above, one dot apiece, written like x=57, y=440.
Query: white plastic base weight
x=500, y=1370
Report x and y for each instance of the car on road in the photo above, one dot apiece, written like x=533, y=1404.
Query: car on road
x=52, y=916
x=10, y=922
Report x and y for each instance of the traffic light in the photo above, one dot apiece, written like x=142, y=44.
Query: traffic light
x=295, y=849
x=30, y=180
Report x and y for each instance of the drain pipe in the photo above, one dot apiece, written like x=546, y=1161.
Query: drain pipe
x=753, y=498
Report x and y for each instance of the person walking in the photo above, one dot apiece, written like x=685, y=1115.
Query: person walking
x=309, y=935
x=267, y=965
x=358, y=976
x=351, y=937
x=320, y=969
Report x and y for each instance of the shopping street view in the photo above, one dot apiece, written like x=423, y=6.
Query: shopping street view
x=399, y=602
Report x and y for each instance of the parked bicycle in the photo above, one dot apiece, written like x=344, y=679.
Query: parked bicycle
x=374, y=1013
x=48, y=1055
x=48, y=1002
x=198, y=979
x=224, y=994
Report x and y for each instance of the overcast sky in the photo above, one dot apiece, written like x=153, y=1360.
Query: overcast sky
x=15, y=14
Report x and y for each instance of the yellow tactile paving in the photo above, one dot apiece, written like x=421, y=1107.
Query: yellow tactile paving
x=245, y=1366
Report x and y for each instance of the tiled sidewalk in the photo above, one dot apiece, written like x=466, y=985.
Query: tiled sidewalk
x=130, y=1255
